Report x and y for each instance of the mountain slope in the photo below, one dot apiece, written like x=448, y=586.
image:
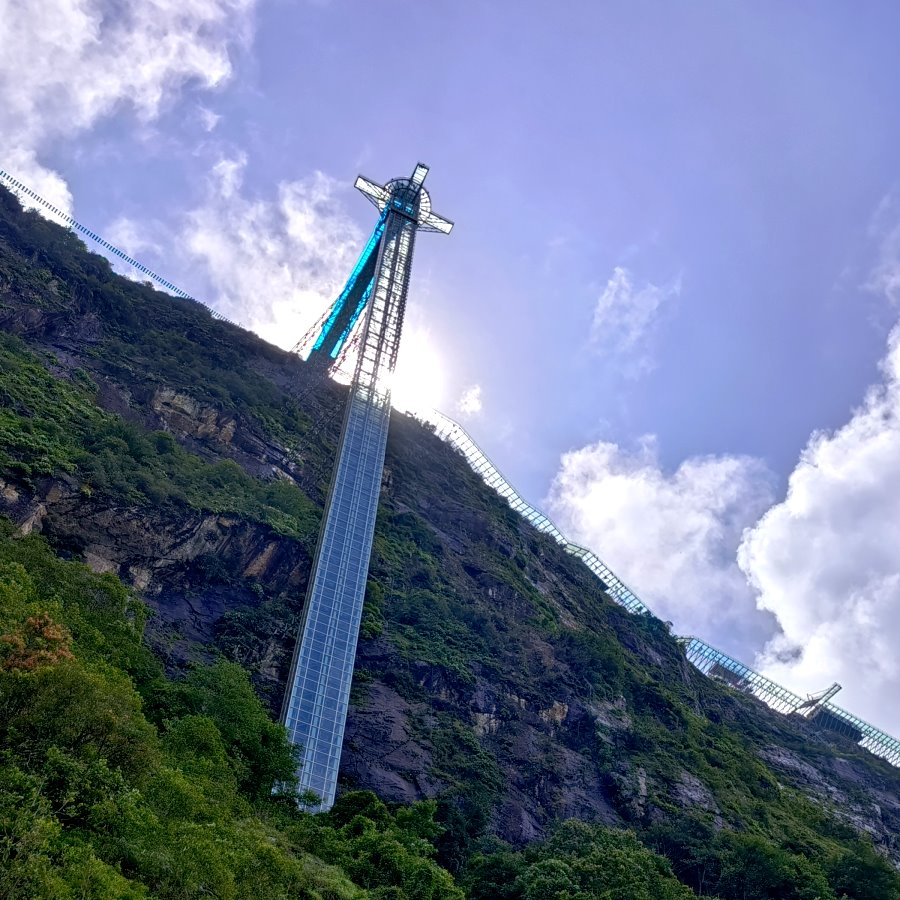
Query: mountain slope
x=191, y=459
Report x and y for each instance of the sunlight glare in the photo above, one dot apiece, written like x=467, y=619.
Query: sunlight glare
x=419, y=380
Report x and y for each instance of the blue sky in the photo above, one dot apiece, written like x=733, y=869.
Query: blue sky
x=673, y=279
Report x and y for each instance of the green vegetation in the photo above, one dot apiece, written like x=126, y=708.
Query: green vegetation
x=50, y=426
x=116, y=782
x=746, y=865
x=134, y=331
x=579, y=862
x=119, y=782
x=526, y=692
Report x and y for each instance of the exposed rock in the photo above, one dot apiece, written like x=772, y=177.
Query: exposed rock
x=612, y=716
x=555, y=714
x=631, y=785
x=486, y=723
x=690, y=791
x=380, y=751
x=184, y=414
x=785, y=759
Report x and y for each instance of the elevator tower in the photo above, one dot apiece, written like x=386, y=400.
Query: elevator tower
x=373, y=300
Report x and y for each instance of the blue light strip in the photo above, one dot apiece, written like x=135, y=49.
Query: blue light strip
x=368, y=250
x=353, y=319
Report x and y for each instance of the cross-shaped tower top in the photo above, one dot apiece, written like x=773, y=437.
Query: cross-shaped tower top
x=408, y=197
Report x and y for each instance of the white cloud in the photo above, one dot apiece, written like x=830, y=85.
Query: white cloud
x=826, y=561
x=625, y=317
x=274, y=264
x=133, y=237
x=817, y=576
x=470, y=402
x=671, y=536
x=208, y=119
x=23, y=165
x=66, y=64
x=137, y=239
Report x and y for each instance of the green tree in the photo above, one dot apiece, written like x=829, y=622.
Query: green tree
x=258, y=748
x=581, y=861
x=861, y=873
x=753, y=868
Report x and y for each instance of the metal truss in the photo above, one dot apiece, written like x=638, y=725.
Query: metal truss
x=402, y=199
x=873, y=739
x=719, y=665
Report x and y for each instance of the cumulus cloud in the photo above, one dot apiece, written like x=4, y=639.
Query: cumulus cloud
x=137, y=239
x=624, y=319
x=67, y=64
x=274, y=263
x=809, y=586
x=672, y=536
x=470, y=401
x=825, y=560
x=132, y=237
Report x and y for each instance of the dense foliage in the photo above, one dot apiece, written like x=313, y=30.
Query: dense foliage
x=48, y=426
x=116, y=781
x=119, y=782
x=120, y=779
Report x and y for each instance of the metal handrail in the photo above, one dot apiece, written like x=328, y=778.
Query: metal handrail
x=706, y=658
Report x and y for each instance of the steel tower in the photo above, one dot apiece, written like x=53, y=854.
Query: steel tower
x=318, y=692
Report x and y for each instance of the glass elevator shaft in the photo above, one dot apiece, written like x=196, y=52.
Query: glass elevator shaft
x=316, y=701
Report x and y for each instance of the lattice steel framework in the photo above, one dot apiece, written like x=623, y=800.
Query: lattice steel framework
x=719, y=665
x=315, y=707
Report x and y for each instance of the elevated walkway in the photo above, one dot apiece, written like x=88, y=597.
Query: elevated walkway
x=712, y=662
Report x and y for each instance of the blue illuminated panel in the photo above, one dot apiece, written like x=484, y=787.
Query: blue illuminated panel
x=353, y=319
x=365, y=270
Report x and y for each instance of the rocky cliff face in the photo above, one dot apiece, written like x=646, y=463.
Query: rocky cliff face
x=493, y=673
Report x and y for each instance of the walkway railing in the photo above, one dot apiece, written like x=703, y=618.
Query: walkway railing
x=454, y=434
x=20, y=189
x=707, y=659
x=720, y=665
